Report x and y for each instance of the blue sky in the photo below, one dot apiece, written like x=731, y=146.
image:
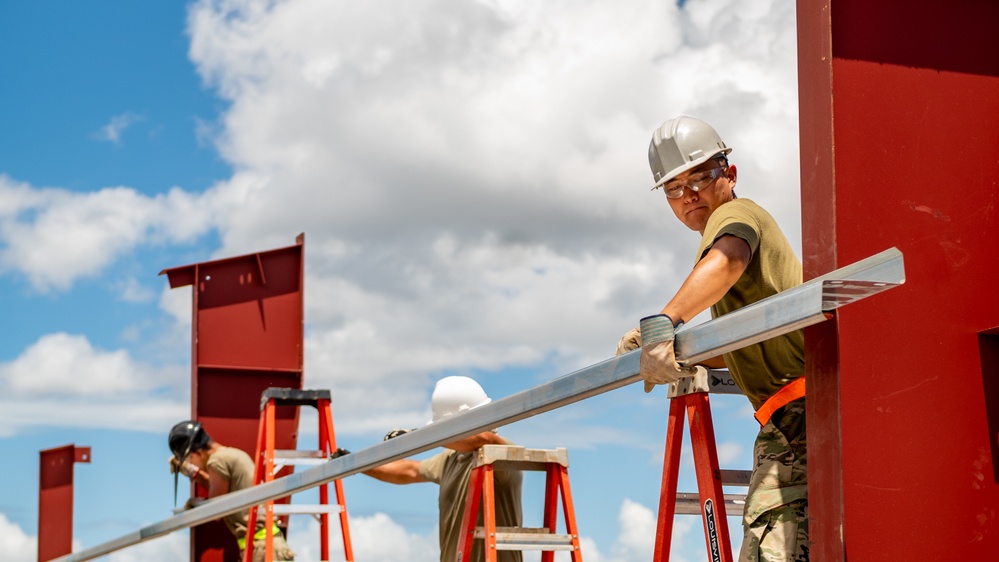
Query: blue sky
x=472, y=181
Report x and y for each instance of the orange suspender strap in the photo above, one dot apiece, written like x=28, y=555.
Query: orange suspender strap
x=787, y=394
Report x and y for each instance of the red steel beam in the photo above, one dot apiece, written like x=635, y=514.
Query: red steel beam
x=247, y=332
x=899, y=118
x=55, y=499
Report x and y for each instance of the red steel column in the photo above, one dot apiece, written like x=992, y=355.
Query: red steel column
x=55, y=499
x=899, y=117
x=247, y=331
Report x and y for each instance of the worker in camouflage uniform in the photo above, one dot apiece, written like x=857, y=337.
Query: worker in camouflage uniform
x=743, y=258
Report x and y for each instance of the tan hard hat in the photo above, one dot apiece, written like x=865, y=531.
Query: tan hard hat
x=680, y=144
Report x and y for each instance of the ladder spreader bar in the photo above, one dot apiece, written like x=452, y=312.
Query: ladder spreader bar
x=784, y=312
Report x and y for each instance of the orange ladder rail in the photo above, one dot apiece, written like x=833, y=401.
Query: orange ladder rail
x=555, y=464
x=266, y=460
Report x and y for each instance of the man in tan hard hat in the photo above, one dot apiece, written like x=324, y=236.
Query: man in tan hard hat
x=743, y=258
x=452, y=469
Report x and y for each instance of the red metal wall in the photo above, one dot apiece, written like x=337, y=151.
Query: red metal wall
x=899, y=106
x=247, y=332
x=55, y=499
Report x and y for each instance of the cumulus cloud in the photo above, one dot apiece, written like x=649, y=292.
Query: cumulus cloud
x=374, y=538
x=175, y=546
x=16, y=545
x=62, y=380
x=55, y=236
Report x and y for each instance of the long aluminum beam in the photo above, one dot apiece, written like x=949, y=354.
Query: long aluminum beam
x=790, y=310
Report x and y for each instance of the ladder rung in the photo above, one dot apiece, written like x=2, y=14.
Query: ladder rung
x=735, y=477
x=690, y=504
x=286, y=457
x=298, y=454
x=307, y=509
x=527, y=538
x=284, y=461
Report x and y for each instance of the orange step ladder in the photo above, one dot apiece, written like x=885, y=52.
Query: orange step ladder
x=689, y=396
x=555, y=464
x=269, y=461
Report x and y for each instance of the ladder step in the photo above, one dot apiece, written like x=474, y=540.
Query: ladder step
x=516, y=457
x=286, y=457
x=306, y=509
x=527, y=538
x=293, y=397
x=690, y=504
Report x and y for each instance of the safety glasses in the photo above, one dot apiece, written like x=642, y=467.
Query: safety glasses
x=695, y=182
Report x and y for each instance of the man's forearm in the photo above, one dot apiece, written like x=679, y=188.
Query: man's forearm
x=474, y=442
x=403, y=471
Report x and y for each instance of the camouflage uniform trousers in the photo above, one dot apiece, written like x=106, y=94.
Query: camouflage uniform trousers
x=775, y=523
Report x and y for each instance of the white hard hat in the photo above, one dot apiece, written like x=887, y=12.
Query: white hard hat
x=681, y=144
x=453, y=395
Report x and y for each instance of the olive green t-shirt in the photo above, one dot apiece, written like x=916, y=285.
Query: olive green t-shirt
x=760, y=369
x=453, y=470
x=237, y=467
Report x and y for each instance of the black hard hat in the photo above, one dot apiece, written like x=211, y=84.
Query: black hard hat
x=187, y=437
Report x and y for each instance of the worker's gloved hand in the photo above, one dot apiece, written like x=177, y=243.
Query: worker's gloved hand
x=185, y=468
x=194, y=502
x=658, y=363
x=630, y=341
x=339, y=453
x=396, y=433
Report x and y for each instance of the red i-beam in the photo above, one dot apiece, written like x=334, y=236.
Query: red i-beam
x=55, y=499
x=247, y=330
x=899, y=125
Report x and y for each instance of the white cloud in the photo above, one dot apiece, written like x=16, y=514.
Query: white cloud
x=729, y=452
x=62, y=380
x=116, y=127
x=375, y=538
x=471, y=176
x=15, y=544
x=55, y=236
x=18, y=546
x=172, y=547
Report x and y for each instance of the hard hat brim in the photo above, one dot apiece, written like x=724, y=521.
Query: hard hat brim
x=689, y=166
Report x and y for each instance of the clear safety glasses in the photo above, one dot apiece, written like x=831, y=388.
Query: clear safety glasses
x=696, y=182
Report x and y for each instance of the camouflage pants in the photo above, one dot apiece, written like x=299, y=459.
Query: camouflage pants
x=775, y=523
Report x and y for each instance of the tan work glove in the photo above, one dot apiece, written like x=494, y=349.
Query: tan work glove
x=187, y=469
x=630, y=341
x=658, y=363
x=194, y=502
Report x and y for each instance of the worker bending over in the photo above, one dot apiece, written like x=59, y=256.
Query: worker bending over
x=452, y=469
x=220, y=470
x=743, y=258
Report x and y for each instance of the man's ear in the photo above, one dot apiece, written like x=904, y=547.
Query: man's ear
x=731, y=173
